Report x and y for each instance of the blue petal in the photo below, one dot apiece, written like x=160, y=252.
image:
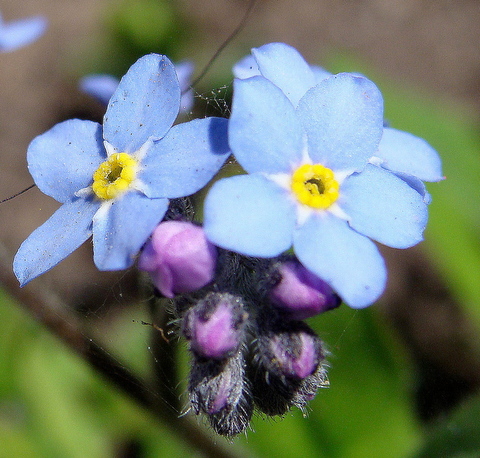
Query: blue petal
x=184, y=71
x=15, y=34
x=120, y=231
x=54, y=240
x=319, y=73
x=382, y=206
x=264, y=132
x=63, y=159
x=349, y=262
x=250, y=215
x=405, y=153
x=417, y=184
x=100, y=87
x=144, y=105
x=246, y=68
x=186, y=159
x=284, y=66
x=343, y=118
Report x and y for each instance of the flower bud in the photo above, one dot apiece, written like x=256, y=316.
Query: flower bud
x=286, y=356
x=295, y=355
x=301, y=293
x=179, y=258
x=219, y=390
x=215, y=326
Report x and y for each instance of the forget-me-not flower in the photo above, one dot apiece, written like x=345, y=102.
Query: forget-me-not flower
x=115, y=181
x=102, y=86
x=410, y=157
x=19, y=33
x=311, y=183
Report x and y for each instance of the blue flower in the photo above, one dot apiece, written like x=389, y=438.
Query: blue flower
x=15, y=34
x=102, y=86
x=311, y=183
x=409, y=157
x=116, y=182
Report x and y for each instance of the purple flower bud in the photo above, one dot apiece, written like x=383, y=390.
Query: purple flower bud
x=179, y=258
x=215, y=326
x=301, y=293
x=295, y=355
x=219, y=390
x=286, y=356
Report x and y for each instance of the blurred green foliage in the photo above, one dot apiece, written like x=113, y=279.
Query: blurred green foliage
x=457, y=436
x=453, y=232
x=52, y=404
x=366, y=411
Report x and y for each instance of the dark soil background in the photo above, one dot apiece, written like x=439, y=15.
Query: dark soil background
x=430, y=44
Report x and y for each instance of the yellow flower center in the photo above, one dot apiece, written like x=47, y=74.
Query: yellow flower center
x=315, y=185
x=114, y=176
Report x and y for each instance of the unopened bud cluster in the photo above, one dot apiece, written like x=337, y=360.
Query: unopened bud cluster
x=242, y=319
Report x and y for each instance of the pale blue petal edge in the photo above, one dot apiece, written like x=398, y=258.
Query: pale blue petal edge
x=186, y=159
x=15, y=34
x=99, y=86
x=120, y=232
x=63, y=159
x=246, y=68
x=285, y=67
x=184, y=71
x=250, y=215
x=384, y=207
x=54, y=240
x=103, y=86
x=343, y=119
x=417, y=184
x=319, y=73
x=405, y=153
x=145, y=104
x=264, y=132
x=349, y=262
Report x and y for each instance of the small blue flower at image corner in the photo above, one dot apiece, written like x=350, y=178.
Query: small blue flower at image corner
x=324, y=176
x=19, y=33
x=115, y=181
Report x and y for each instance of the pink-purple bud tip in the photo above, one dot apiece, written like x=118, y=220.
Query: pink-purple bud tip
x=298, y=362
x=215, y=326
x=179, y=258
x=301, y=293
